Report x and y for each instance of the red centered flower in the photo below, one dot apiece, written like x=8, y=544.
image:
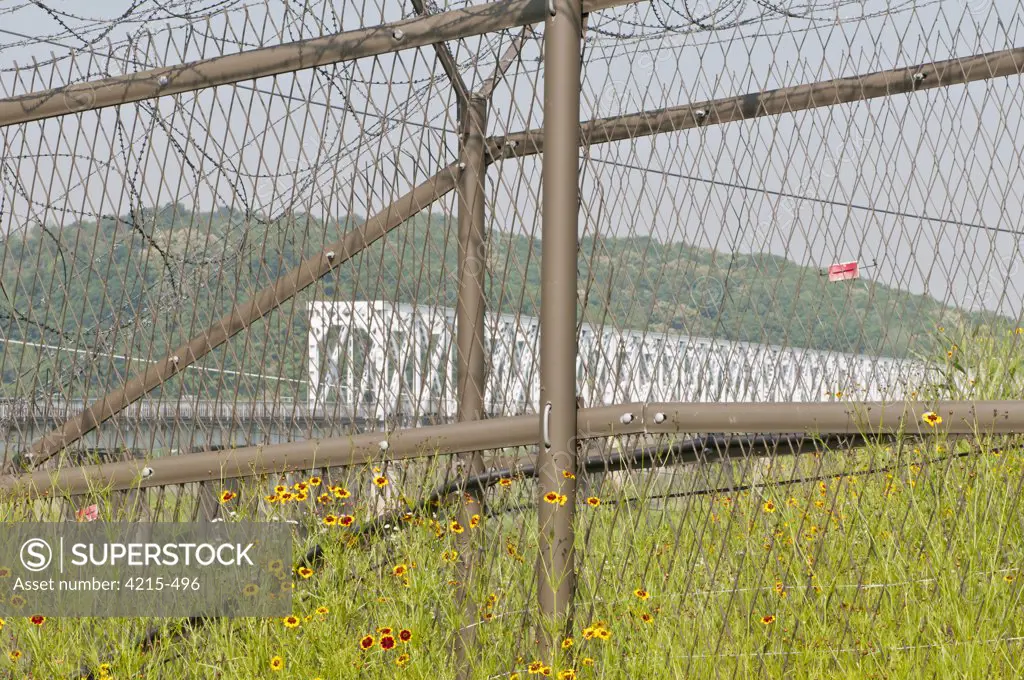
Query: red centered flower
x=366, y=642
x=405, y=635
x=387, y=642
x=346, y=520
x=226, y=496
x=38, y=620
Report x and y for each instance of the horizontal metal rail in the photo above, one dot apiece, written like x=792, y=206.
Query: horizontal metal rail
x=701, y=449
x=902, y=80
x=868, y=419
x=805, y=446
x=271, y=61
x=482, y=19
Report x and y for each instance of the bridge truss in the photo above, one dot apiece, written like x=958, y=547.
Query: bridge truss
x=380, y=360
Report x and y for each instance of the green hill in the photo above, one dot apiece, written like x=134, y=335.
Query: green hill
x=117, y=288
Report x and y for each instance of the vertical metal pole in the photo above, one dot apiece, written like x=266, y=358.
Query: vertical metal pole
x=556, y=573
x=469, y=318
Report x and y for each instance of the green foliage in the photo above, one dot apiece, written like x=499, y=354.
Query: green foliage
x=140, y=289
x=978, y=363
x=882, y=562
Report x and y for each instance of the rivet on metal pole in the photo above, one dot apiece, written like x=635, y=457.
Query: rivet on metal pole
x=546, y=426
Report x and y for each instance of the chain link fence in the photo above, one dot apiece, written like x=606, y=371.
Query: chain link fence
x=284, y=261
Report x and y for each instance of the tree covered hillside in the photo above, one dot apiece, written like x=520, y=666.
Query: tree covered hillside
x=139, y=285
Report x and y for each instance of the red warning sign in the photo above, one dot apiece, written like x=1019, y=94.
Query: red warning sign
x=844, y=271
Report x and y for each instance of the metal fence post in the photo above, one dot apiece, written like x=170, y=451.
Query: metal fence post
x=556, y=576
x=469, y=317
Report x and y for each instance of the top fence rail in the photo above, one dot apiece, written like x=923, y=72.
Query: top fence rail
x=271, y=61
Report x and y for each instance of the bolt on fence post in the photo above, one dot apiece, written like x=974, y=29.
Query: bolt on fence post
x=556, y=575
x=469, y=318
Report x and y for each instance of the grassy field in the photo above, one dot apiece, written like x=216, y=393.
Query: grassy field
x=894, y=561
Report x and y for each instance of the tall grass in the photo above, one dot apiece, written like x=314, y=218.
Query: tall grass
x=885, y=562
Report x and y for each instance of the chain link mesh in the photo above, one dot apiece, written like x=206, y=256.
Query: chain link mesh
x=703, y=269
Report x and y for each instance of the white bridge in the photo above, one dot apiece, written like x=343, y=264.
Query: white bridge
x=382, y=359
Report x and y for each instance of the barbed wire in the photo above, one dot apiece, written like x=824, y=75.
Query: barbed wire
x=848, y=205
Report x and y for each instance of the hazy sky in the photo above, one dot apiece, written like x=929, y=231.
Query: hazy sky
x=920, y=184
